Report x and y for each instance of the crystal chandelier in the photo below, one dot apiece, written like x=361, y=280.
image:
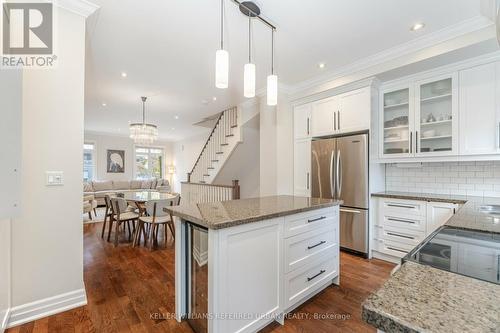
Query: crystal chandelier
x=143, y=133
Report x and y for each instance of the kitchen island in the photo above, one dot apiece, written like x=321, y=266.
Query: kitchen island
x=241, y=264
x=421, y=298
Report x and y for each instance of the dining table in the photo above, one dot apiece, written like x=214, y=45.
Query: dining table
x=140, y=198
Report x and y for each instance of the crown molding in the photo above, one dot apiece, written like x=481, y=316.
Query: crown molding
x=81, y=7
x=418, y=44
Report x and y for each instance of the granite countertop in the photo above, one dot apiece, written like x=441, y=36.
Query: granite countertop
x=225, y=214
x=459, y=199
x=467, y=217
x=420, y=298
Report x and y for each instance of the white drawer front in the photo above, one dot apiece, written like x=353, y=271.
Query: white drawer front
x=305, y=280
x=400, y=235
x=392, y=248
x=312, y=220
x=415, y=223
x=304, y=248
x=403, y=207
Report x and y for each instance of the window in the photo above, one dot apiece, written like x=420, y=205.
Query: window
x=148, y=162
x=88, y=161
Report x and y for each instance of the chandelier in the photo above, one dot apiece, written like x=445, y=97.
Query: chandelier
x=143, y=133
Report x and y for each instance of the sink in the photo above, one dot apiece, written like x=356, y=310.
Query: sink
x=490, y=209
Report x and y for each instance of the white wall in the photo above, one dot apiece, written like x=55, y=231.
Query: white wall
x=5, y=282
x=268, y=149
x=185, y=154
x=104, y=142
x=276, y=147
x=481, y=178
x=243, y=164
x=47, y=237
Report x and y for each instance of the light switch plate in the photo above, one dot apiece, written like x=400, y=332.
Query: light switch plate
x=54, y=178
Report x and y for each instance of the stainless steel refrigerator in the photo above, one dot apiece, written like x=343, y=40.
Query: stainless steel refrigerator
x=339, y=170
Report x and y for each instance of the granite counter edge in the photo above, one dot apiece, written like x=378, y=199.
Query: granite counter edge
x=252, y=219
x=419, y=198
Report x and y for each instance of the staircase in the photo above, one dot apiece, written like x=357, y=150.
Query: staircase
x=223, y=139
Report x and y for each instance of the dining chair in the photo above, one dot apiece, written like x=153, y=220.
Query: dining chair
x=149, y=225
x=108, y=214
x=120, y=215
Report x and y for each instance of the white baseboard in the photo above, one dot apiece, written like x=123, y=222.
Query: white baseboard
x=4, y=321
x=46, y=307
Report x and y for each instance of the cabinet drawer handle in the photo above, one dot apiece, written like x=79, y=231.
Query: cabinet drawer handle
x=395, y=249
x=398, y=235
x=308, y=126
x=318, y=219
x=315, y=276
x=401, y=206
x=313, y=246
x=400, y=220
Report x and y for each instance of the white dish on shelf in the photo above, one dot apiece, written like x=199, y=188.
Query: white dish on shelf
x=429, y=134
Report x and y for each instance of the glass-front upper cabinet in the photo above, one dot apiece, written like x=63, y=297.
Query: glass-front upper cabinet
x=396, y=122
x=436, y=115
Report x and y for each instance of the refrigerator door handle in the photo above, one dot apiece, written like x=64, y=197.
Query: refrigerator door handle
x=332, y=165
x=339, y=174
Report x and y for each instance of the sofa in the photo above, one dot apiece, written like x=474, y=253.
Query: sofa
x=100, y=188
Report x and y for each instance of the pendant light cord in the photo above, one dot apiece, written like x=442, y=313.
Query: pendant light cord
x=272, y=51
x=143, y=110
x=249, y=39
x=222, y=24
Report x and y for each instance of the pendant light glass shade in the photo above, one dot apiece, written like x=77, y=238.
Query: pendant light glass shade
x=249, y=81
x=221, y=69
x=272, y=90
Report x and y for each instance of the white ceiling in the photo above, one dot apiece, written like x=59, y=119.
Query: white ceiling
x=167, y=48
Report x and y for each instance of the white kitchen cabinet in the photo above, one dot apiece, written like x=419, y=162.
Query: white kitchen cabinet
x=438, y=213
x=302, y=167
x=479, y=261
x=480, y=110
x=354, y=111
x=436, y=116
x=403, y=224
x=420, y=119
x=302, y=121
x=396, y=122
x=323, y=116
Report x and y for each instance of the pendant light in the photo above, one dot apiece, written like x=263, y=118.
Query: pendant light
x=249, y=70
x=272, y=80
x=143, y=133
x=221, y=57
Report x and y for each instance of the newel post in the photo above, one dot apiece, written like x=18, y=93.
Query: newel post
x=236, y=189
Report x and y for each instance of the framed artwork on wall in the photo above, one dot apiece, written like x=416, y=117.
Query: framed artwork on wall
x=116, y=161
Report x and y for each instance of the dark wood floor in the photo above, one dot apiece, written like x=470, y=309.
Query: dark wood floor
x=127, y=286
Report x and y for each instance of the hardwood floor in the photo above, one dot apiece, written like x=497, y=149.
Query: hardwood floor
x=129, y=288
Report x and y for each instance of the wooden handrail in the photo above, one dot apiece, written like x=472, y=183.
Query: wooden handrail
x=208, y=140
x=211, y=185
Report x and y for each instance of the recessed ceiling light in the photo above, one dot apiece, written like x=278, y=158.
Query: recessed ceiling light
x=173, y=128
x=214, y=98
x=124, y=74
x=417, y=26
x=321, y=65
x=104, y=104
x=176, y=117
x=204, y=102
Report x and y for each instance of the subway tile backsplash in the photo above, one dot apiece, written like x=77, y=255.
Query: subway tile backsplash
x=481, y=178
